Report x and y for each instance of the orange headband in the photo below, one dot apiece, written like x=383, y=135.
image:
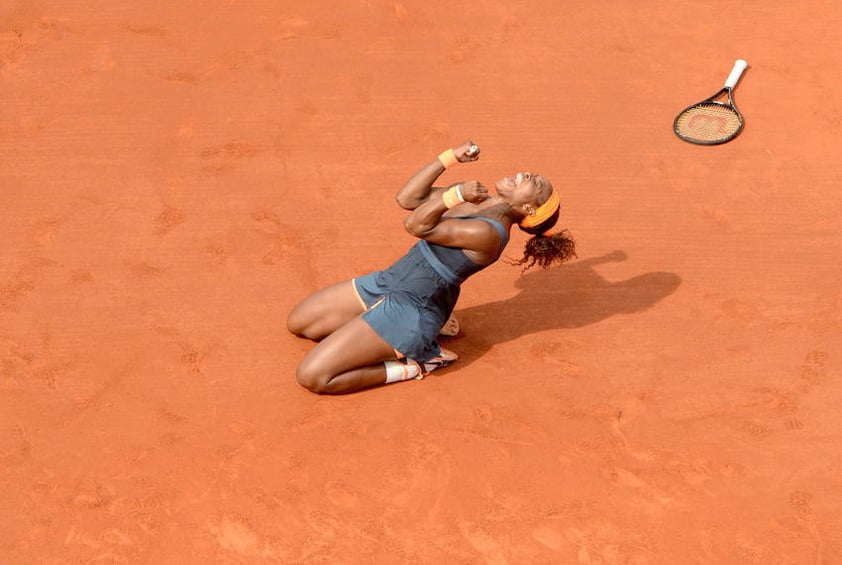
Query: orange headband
x=543, y=212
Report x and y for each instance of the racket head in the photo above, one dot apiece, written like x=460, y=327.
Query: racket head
x=709, y=122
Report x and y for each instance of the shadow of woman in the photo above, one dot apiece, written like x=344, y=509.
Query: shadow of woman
x=568, y=296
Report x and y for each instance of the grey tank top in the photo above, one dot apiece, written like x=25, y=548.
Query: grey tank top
x=451, y=262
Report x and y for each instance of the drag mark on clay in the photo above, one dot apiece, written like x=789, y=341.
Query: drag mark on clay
x=20, y=449
x=341, y=495
x=794, y=424
x=233, y=150
x=19, y=364
x=81, y=276
x=144, y=270
x=235, y=534
x=501, y=428
x=15, y=44
x=548, y=537
x=17, y=286
x=483, y=542
x=550, y=352
x=427, y=472
x=147, y=512
x=147, y=31
x=168, y=219
x=803, y=513
x=604, y=544
x=182, y=77
x=12, y=291
x=226, y=156
x=11, y=47
x=43, y=231
x=624, y=477
x=800, y=502
x=51, y=375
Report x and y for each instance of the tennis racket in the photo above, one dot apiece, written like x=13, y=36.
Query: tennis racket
x=711, y=122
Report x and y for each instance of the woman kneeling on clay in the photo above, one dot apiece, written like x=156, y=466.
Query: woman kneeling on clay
x=383, y=327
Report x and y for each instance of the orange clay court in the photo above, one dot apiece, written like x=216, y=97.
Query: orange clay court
x=175, y=176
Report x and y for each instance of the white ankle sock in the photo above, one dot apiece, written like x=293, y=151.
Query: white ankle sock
x=398, y=371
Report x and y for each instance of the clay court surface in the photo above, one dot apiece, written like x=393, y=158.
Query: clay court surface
x=175, y=176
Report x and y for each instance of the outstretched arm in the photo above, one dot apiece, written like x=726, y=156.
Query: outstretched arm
x=419, y=186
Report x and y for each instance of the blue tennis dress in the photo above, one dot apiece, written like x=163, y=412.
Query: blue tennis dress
x=408, y=303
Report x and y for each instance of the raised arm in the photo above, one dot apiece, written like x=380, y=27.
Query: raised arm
x=426, y=222
x=419, y=186
x=479, y=239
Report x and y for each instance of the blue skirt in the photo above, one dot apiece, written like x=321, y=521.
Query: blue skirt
x=407, y=304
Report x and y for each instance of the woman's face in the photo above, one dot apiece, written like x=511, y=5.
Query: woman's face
x=524, y=189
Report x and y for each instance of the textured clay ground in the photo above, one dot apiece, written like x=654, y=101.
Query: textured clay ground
x=175, y=176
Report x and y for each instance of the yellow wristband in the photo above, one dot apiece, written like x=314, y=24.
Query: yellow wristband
x=448, y=158
x=453, y=197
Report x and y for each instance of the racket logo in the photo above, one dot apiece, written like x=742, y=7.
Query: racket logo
x=711, y=122
x=701, y=122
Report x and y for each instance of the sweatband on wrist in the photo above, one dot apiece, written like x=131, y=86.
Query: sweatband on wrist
x=453, y=196
x=448, y=158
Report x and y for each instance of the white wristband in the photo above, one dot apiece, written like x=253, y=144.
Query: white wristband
x=459, y=192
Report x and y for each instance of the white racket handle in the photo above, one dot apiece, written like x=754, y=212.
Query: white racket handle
x=736, y=72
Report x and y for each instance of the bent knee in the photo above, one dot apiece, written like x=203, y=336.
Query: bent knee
x=311, y=379
x=304, y=326
x=296, y=324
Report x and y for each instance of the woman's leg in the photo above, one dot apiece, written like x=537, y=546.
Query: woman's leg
x=349, y=359
x=324, y=311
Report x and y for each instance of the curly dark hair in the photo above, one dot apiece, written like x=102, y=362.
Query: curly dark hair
x=544, y=250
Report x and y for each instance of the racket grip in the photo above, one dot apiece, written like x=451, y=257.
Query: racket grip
x=736, y=72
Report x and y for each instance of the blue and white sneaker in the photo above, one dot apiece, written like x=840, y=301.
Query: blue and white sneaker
x=445, y=358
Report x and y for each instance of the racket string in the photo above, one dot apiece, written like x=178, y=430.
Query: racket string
x=708, y=122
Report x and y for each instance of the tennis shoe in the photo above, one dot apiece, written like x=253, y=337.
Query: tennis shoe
x=445, y=358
